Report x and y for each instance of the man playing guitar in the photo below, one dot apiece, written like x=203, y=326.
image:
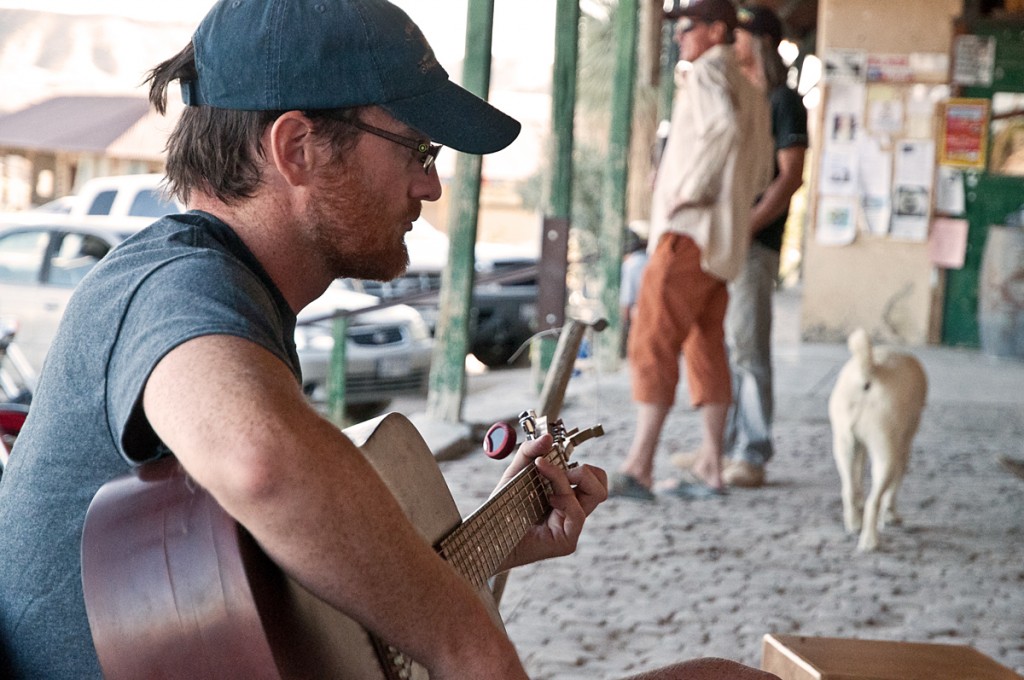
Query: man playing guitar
x=304, y=154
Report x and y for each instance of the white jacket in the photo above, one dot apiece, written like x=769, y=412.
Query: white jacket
x=718, y=158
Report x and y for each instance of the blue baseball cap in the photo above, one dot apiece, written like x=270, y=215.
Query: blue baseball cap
x=265, y=55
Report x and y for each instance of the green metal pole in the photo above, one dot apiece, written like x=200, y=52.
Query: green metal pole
x=563, y=109
x=336, y=376
x=563, y=105
x=613, y=220
x=447, y=382
x=668, y=69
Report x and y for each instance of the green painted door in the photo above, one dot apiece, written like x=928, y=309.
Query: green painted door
x=989, y=197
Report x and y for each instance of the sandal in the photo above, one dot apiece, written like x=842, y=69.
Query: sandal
x=689, y=487
x=623, y=485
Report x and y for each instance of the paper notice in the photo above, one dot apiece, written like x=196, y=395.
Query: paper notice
x=837, y=220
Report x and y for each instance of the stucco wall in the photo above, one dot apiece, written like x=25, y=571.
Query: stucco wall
x=887, y=286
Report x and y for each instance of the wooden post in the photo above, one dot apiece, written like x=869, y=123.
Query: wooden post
x=447, y=382
x=557, y=380
x=613, y=221
x=563, y=110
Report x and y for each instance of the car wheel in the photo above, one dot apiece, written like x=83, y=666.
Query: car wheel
x=497, y=356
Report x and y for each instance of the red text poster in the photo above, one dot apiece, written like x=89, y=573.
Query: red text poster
x=964, y=133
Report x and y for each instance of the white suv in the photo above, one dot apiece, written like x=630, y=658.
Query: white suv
x=119, y=196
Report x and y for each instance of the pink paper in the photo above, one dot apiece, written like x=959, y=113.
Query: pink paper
x=947, y=242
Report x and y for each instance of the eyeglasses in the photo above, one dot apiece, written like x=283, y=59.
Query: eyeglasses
x=429, y=151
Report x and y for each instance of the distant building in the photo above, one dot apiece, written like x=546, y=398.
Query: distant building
x=50, y=148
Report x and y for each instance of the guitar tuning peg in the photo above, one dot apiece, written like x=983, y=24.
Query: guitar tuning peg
x=499, y=441
x=528, y=421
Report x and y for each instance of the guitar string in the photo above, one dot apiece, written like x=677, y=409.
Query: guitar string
x=480, y=563
x=590, y=398
x=593, y=395
x=465, y=536
x=468, y=534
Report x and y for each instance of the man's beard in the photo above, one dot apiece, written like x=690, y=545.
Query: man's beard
x=354, y=232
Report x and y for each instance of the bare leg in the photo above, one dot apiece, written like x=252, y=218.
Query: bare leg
x=708, y=465
x=639, y=461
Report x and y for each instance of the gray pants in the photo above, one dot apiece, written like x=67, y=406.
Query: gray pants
x=748, y=334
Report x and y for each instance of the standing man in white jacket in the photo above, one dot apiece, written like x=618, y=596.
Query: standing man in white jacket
x=716, y=161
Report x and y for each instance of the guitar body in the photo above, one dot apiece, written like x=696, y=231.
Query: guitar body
x=174, y=588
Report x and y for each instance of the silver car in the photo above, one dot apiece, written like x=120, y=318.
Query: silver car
x=387, y=354
x=44, y=256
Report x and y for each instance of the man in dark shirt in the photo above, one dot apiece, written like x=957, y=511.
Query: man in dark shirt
x=748, y=322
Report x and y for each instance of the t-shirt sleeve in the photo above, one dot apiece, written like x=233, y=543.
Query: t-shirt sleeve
x=789, y=119
x=185, y=298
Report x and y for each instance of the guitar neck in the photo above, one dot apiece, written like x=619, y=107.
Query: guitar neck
x=483, y=540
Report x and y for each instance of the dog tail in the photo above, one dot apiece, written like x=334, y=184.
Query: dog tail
x=860, y=347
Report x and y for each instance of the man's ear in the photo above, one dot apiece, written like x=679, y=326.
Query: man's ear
x=291, y=147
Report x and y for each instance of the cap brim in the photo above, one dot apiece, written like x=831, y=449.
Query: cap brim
x=457, y=118
x=686, y=12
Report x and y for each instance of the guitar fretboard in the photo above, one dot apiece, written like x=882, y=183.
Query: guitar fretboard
x=484, y=539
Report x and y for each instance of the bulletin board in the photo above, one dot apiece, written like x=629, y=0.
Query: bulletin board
x=874, y=185
x=878, y=144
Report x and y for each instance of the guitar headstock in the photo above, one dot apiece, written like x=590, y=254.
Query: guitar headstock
x=565, y=441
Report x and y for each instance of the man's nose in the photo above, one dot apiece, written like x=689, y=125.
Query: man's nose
x=428, y=188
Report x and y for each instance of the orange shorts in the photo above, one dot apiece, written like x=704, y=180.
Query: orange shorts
x=680, y=308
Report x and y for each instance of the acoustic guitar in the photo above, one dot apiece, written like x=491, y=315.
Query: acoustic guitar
x=176, y=589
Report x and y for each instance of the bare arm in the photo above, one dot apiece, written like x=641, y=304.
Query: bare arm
x=235, y=417
x=775, y=200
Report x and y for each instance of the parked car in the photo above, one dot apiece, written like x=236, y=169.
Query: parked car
x=117, y=195
x=503, y=314
x=388, y=352
x=42, y=260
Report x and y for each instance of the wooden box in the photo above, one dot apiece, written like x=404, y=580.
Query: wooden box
x=796, y=657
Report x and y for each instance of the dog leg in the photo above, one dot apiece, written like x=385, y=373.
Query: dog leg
x=890, y=515
x=844, y=450
x=859, y=465
x=883, y=472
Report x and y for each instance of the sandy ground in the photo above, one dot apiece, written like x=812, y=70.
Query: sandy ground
x=652, y=583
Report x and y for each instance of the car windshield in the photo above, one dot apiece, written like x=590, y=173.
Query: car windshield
x=152, y=203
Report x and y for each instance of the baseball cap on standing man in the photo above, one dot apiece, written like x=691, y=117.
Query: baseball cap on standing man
x=266, y=55
x=703, y=10
x=761, y=21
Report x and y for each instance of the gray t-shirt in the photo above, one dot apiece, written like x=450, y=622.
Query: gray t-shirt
x=183, y=277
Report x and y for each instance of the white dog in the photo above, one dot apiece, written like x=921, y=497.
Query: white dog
x=875, y=406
